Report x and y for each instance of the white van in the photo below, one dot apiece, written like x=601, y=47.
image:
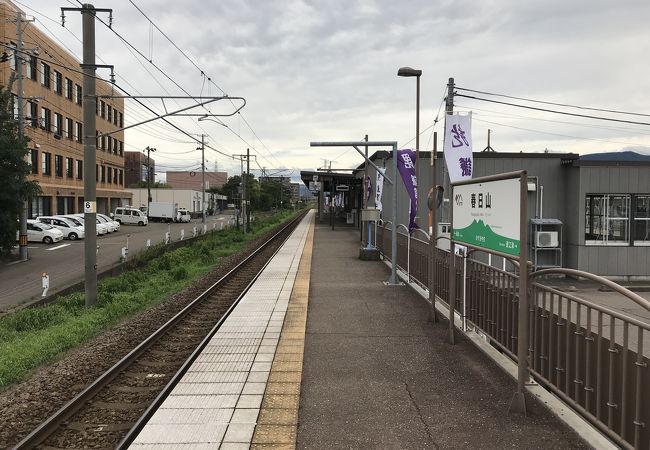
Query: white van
x=182, y=215
x=126, y=215
x=69, y=229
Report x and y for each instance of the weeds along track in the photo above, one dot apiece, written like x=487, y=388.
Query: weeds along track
x=105, y=411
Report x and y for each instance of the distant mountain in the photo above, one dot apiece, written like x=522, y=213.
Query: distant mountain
x=615, y=156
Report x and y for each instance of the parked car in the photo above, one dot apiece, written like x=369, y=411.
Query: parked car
x=183, y=215
x=100, y=228
x=69, y=229
x=110, y=224
x=127, y=215
x=115, y=223
x=41, y=232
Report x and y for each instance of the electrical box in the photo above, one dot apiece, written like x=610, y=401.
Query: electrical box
x=370, y=215
x=547, y=239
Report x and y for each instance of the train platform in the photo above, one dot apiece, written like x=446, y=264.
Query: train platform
x=322, y=354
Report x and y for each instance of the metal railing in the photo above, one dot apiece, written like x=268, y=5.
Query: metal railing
x=591, y=356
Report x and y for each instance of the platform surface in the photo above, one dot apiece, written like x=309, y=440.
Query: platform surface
x=321, y=354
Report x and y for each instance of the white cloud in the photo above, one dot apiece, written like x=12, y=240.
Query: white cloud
x=313, y=70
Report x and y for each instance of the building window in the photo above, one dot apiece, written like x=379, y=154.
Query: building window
x=115, y=117
x=58, y=82
x=68, y=88
x=120, y=179
x=80, y=128
x=115, y=146
x=32, y=68
x=58, y=123
x=121, y=148
x=34, y=161
x=121, y=120
x=13, y=59
x=68, y=128
x=58, y=165
x=103, y=174
x=33, y=114
x=46, y=164
x=77, y=94
x=109, y=113
x=80, y=169
x=607, y=219
x=96, y=172
x=110, y=172
x=102, y=109
x=69, y=163
x=103, y=142
x=641, y=220
x=45, y=74
x=14, y=101
x=46, y=119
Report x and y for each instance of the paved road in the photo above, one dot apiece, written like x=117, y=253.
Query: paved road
x=20, y=282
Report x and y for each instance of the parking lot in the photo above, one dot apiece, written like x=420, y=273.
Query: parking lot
x=20, y=282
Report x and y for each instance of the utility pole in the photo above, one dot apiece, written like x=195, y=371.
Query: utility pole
x=203, y=178
x=88, y=65
x=18, y=57
x=90, y=153
x=247, y=227
x=149, y=150
x=449, y=109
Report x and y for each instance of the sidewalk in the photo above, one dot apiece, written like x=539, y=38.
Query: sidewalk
x=378, y=374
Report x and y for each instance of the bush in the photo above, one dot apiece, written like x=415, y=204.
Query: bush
x=179, y=273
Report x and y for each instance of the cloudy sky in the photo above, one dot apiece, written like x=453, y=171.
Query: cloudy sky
x=327, y=71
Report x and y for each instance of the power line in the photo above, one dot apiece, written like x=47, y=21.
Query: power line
x=559, y=134
x=210, y=80
x=555, y=104
x=552, y=111
x=504, y=115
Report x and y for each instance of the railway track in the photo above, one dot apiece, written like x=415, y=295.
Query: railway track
x=109, y=412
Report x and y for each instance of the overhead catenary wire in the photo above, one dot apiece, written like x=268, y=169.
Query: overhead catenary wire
x=210, y=80
x=131, y=46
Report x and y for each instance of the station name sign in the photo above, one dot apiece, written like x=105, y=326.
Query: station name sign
x=486, y=215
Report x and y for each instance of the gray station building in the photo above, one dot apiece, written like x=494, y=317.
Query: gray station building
x=590, y=213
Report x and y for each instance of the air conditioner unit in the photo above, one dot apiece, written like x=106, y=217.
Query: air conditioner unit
x=546, y=239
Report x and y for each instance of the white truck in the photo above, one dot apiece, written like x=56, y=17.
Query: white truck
x=162, y=212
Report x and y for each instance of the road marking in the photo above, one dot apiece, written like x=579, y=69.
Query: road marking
x=57, y=247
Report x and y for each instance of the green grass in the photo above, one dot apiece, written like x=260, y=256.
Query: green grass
x=35, y=336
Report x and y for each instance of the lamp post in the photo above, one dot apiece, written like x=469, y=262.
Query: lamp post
x=410, y=72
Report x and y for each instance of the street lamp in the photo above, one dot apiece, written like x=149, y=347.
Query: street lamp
x=410, y=72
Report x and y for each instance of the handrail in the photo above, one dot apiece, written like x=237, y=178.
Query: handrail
x=401, y=225
x=421, y=231
x=595, y=306
x=604, y=281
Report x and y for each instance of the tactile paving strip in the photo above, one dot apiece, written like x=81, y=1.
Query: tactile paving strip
x=277, y=425
x=218, y=401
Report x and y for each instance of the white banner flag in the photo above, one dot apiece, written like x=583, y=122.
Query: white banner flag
x=458, y=146
x=379, y=188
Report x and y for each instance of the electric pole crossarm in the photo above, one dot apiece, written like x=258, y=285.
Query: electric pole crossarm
x=161, y=116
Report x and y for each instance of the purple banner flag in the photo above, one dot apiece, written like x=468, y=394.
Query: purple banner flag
x=406, y=167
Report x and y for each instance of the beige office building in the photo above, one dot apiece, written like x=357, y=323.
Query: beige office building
x=52, y=109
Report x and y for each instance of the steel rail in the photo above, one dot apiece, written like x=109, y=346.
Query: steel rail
x=51, y=424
